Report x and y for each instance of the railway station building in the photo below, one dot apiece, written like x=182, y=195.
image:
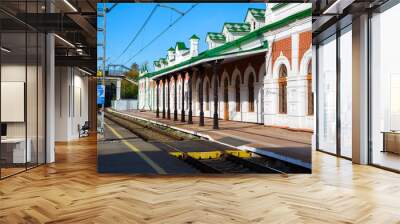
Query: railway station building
x=257, y=70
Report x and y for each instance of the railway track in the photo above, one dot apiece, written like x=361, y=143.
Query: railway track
x=218, y=161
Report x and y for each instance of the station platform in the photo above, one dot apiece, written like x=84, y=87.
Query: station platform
x=283, y=144
x=121, y=151
x=194, y=146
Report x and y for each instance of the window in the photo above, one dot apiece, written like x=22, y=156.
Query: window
x=345, y=94
x=207, y=96
x=327, y=128
x=385, y=89
x=237, y=91
x=22, y=95
x=251, y=93
x=254, y=25
x=283, y=89
x=310, y=94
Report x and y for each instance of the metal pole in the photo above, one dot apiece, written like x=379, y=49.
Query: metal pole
x=175, y=99
x=169, y=98
x=183, y=97
x=215, y=84
x=104, y=62
x=158, y=98
x=201, y=77
x=190, y=120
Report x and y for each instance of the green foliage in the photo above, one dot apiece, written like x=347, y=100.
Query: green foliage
x=133, y=74
x=128, y=89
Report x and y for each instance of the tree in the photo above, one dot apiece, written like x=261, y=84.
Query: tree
x=128, y=89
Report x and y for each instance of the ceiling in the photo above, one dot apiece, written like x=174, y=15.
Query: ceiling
x=74, y=22
x=331, y=15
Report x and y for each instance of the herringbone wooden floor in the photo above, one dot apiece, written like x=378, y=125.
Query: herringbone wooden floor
x=71, y=191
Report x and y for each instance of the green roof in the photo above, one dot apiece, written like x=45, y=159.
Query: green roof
x=171, y=49
x=278, y=6
x=181, y=46
x=216, y=36
x=258, y=14
x=237, y=27
x=218, y=51
x=194, y=37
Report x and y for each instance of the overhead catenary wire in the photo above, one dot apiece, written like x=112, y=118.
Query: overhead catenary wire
x=139, y=31
x=162, y=32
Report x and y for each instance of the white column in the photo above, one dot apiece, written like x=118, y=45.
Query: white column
x=50, y=99
x=232, y=103
x=118, y=89
x=259, y=104
x=296, y=86
x=268, y=87
x=295, y=54
x=360, y=90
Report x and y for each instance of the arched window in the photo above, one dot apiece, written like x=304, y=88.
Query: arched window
x=310, y=94
x=251, y=92
x=283, y=90
x=237, y=95
x=207, y=96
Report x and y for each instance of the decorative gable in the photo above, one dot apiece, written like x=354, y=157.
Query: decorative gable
x=255, y=17
x=233, y=31
x=237, y=27
x=215, y=39
x=258, y=14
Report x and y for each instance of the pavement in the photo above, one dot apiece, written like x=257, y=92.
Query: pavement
x=280, y=143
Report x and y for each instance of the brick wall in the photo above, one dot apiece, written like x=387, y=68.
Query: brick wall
x=256, y=61
x=284, y=46
x=305, y=43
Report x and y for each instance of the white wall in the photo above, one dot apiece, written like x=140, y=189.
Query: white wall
x=33, y=125
x=71, y=102
x=15, y=73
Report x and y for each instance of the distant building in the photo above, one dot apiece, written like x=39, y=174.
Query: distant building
x=262, y=68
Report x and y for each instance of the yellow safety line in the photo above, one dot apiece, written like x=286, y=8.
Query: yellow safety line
x=149, y=161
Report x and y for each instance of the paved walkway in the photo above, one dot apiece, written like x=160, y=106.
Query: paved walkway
x=290, y=146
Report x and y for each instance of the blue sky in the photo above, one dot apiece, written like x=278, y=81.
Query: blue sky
x=124, y=21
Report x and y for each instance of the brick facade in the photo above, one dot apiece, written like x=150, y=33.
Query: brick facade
x=284, y=46
x=304, y=43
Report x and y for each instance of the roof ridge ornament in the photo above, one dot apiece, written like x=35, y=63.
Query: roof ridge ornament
x=194, y=37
